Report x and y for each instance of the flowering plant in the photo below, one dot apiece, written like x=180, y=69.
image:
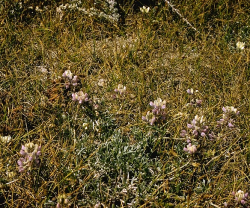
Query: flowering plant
x=80, y=97
x=70, y=79
x=240, y=196
x=121, y=89
x=191, y=149
x=144, y=9
x=157, y=113
x=30, y=153
x=227, y=117
x=240, y=45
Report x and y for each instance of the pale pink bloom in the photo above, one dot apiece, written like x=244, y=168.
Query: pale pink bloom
x=183, y=133
x=80, y=97
x=67, y=74
x=198, y=102
x=101, y=82
x=58, y=205
x=67, y=84
x=150, y=117
x=30, y=153
x=190, y=91
x=230, y=109
x=191, y=149
x=227, y=117
x=197, y=124
x=158, y=106
x=158, y=103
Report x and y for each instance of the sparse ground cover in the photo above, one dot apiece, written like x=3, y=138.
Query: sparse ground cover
x=153, y=112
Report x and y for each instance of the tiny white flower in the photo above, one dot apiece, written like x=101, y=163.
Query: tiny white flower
x=144, y=9
x=101, y=82
x=85, y=126
x=38, y=9
x=121, y=89
x=5, y=139
x=240, y=45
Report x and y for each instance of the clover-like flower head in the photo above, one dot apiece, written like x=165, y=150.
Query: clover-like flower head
x=150, y=117
x=190, y=91
x=230, y=109
x=158, y=105
x=80, y=97
x=30, y=153
x=5, y=139
x=67, y=74
x=144, y=9
x=191, y=149
x=240, y=196
x=240, y=45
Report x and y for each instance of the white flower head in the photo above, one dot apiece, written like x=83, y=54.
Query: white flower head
x=190, y=91
x=240, y=196
x=230, y=109
x=199, y=119
x=80, y=97
x=158, y=103
x=240, y=45
x=191, y=149
x=101, y=82
x=67, y=74
x=144, y=9
x=5, y=139
x=121, y=89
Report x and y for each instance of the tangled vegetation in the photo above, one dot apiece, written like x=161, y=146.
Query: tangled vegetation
x=124, y=104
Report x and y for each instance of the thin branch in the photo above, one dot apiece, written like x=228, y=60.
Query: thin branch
x=183, y=18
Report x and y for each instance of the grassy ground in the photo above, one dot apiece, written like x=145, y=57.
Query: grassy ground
x=104, y=151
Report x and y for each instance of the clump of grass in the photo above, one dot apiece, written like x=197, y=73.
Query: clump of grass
x=149, y=113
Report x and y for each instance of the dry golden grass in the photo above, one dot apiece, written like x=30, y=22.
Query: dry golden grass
x=101, y=153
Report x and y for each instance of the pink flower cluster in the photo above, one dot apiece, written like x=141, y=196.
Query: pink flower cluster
x=30, y=153
x=70, y=79
x=227, y=117
x=157, y=113
x=80, y=97
x=198, y=127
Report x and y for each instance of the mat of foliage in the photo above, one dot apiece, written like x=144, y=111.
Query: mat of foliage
x=153, y=111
